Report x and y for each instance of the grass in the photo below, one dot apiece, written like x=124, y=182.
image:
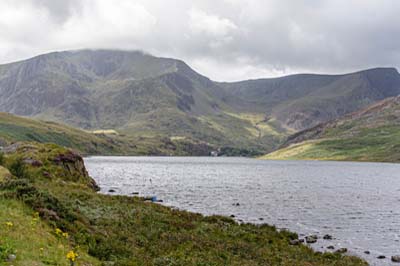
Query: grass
x=379, y=144
x=129, y=231
x=104, y=142
x=4, y=173
x=32, y=240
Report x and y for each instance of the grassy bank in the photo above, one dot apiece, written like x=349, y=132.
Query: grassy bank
x=379, y=144
x=51, y=194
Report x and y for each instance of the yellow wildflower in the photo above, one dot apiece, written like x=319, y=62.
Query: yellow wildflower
x=9, y=224
x=65, y=234
x=59, y=231
x=71, y=256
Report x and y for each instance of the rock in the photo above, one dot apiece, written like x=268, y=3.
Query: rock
x=48, y=214
x=11, y=257
x=301, y=240
x=232, y=216
x=367, y=252
x=381, y=257
x=341, y=250
x=111, y=190
x=135, y=193
x=396, y=258
x=294, y=242
x=311, y=239
x=46, y=174
x=261, y=219
x=327, y=237
x=33, y=162
x=330, y=247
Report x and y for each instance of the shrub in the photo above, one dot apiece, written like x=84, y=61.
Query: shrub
x=1, y=158
x=17, y=168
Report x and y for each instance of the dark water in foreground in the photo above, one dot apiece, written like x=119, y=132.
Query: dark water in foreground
x=357, y=203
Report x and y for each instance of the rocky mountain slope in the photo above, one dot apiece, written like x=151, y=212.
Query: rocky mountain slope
x=141, y=95
x=371, y=134
x=303, y=101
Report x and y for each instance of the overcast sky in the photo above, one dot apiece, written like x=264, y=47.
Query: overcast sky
x=222, y=39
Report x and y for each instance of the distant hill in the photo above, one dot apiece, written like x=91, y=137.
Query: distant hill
x=14, y=129
x=145, y=96
x=371, y=134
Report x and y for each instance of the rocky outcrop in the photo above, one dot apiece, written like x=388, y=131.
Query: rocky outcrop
x=52, y=162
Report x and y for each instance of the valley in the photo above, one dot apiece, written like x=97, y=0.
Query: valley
x=152, y=101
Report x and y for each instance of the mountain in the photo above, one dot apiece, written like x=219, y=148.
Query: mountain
x=371, y=134
x=302, y=101
x=140, y=95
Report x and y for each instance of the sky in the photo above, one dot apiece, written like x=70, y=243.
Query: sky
x=226, y=40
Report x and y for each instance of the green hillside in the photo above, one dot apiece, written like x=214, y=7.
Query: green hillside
x=50, y=207
x=372, y=134
x=14, y=128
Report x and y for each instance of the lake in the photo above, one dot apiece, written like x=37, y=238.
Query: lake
x=357, y=203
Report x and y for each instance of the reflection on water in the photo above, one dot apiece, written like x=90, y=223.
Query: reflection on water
x=357, y=203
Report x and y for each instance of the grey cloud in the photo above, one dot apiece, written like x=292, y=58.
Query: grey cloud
x=225, y=39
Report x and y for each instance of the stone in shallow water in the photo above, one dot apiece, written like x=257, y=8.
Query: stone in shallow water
x=330, y=247
x=341, y=250
x=327, y=237
x=396, y=258
x=367, y=252
x=311, y=239
x=381, y=257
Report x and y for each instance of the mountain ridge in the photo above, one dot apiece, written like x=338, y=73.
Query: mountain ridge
x=138, y=94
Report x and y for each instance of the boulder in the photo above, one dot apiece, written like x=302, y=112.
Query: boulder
x=381, y=257
x=311, y=239
x=327, y=237
x=33, y=162
x=294, y=242
x=396, y=258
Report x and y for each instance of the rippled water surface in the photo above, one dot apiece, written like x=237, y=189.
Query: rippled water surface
x=357, y=203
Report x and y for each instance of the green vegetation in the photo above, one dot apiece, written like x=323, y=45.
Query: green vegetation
x=105, y=142
x=122, y=230
x=372, y=134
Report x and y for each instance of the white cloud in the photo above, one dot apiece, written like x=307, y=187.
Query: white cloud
x=102, y=24
x=201, y=22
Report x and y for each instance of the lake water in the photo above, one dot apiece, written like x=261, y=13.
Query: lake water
x=357, y=203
